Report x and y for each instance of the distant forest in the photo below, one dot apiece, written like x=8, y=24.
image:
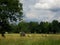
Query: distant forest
x=35, y=27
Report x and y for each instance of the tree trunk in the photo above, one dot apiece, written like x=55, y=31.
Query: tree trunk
x=2, y=34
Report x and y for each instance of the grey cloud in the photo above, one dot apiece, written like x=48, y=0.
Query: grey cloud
x=42, y=14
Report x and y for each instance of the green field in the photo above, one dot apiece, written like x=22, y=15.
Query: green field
x=30, y=39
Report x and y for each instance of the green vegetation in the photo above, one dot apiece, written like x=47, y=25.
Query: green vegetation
x=35, y=27
x=31, y=39
x=10, y=10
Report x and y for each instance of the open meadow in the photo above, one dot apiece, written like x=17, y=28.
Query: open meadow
x=30, y=39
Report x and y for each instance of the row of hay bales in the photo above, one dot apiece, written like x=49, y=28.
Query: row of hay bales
x=29, y=35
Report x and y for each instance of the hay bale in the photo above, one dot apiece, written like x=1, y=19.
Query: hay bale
x=22, y=34
x=6, y=32
x=29, y=35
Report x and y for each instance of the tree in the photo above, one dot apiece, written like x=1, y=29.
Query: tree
x=9, y=10
x=23, y=27
x=33, y=26
x=59, y=27
x=14, y=28
x=42, y=27
x=55, y=26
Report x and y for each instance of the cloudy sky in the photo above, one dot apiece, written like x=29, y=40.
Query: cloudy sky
x=41, y=10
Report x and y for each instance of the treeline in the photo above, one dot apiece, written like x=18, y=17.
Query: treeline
x=35, y=27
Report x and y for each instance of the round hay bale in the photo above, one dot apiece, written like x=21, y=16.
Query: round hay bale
x=6, y=32
x=29, y=35
x=22, y=34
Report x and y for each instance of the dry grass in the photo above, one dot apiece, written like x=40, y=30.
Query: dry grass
x=30, y=39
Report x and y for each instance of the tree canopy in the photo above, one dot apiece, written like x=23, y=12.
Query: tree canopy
x=42, y=27
x=9, y=10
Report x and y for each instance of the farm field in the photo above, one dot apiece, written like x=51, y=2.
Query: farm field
x=30, y=39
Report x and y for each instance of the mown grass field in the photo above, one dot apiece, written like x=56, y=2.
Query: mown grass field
x=30, y=39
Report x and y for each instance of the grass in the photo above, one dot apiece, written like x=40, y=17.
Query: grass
x=30, y=39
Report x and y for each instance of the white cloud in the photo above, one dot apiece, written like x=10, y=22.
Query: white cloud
x=41, y=6
x=47, y=4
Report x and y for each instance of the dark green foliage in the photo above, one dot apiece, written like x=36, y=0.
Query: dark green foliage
x=23, y=27
x=9, y=10
x=43, y=27
x=55, y=26
x=34, y=27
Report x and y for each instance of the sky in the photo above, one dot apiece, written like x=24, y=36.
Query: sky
x=41, y=10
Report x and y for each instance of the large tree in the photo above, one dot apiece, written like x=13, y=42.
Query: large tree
x=9, y=10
